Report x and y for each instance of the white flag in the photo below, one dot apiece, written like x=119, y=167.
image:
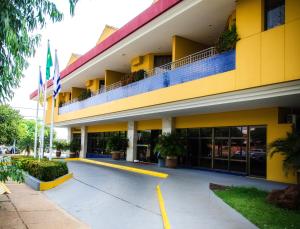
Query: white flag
x=56, y=77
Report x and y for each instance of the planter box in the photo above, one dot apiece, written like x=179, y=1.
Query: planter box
x=38, y=185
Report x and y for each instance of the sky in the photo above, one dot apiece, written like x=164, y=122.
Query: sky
x=77, y=34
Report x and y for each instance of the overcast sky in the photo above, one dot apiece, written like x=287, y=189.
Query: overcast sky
x=76, y=34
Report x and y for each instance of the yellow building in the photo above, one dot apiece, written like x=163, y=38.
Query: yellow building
x=161, y=72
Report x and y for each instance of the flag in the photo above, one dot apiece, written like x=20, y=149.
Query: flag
x=56, y=77
x=49, y=62
x=41, y=88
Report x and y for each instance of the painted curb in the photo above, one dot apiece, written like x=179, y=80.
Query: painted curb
x=38, y=185
x=162, y=208
x=122, y=167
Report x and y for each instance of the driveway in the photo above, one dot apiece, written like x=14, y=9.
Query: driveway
x=111, y=198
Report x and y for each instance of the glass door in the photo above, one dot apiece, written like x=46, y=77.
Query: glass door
x=238, y=149
x=221, y=148
x=257, y=151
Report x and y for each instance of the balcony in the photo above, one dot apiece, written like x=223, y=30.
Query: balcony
x=198, y=65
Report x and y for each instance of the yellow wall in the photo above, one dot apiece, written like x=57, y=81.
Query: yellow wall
x=76, y=91
x=92, y=85
x=268, y=116
x=110, y=127
x=142, y=62
x=112, y=77
x=266, y=57
x=219, y=83
x=154, y=124
x=182, y=47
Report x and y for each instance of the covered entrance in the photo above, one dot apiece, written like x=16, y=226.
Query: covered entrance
x=146, y=142
x=239, y=149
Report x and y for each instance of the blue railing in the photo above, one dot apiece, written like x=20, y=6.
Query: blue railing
x=199, y=69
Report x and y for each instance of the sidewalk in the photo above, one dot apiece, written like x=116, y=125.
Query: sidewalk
x=26, y=208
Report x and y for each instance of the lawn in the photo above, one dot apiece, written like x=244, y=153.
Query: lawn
x=251, y=203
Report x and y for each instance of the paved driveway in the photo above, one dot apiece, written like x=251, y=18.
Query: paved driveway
x=110, y=198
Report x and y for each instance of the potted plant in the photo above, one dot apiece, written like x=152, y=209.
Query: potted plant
x=228, y=39
x=74, y=148
x=115, y=145
x=169, y=146
x=61, y=145
x=289, y=147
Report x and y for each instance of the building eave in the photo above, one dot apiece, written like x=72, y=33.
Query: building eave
x=136, y=23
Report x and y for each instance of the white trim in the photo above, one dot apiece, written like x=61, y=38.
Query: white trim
x=226, y=99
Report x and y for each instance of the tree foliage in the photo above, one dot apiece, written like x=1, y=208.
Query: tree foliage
x=10, y=171
x=26, y=140
x=10, y=120
x=19, y=21
x=289, y=148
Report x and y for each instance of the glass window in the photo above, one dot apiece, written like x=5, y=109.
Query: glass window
x=161, y=60
x=274, y=13
x=257, y=151
x=206, y=132
x=222, y=132
x=193, y=133
x=238, y=132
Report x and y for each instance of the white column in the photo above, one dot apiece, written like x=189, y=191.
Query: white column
x=167, y=124
x=69, y=134
x=83, y=142
x=132, y=137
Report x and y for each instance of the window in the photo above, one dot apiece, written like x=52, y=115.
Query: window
x=161, y=60
x=274, y=13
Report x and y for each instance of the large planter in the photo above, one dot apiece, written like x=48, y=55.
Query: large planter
x=161, y=162
x=58, y=153
x=116, y=155
x=171, y=162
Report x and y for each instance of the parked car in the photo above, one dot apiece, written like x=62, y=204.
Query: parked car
x=3, y=149
x=13, y=150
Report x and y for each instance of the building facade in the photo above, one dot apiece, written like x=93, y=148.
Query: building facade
x=161, y=72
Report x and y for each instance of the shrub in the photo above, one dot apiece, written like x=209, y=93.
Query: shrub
x=44, y=169
x=170, y=144
x=116, y=143
x=228, y=39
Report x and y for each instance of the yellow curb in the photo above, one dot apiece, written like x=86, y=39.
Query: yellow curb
x=162, y=208
x=4, y=188
x=51, y=184
x=122, y=167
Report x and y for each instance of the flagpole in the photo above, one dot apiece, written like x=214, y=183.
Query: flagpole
x=43, y=123
x=37, y=119
x=51, y=130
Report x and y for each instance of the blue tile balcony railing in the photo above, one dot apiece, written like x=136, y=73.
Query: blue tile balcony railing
x=164, y=76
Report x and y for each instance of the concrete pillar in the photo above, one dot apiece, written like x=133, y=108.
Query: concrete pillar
x=69, y=136
x=167, y=124
x=132, y=137
x=83, y=142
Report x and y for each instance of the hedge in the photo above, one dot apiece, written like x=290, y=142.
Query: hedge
x=44, y=169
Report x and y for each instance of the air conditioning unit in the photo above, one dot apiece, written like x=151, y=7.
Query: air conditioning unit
x=295, y=120
x=291, y=118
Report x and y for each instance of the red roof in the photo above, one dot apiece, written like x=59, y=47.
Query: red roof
x=136, y=23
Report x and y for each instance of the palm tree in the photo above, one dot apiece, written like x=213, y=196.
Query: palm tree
x=289, y=147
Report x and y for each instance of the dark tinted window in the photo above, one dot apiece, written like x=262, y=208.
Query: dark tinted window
x=274, y=13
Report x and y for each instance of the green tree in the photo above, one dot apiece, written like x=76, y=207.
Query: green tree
x=10, y=120
x=19, y=21
x=26, y=140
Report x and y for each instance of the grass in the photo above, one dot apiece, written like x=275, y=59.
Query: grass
x=251, y=203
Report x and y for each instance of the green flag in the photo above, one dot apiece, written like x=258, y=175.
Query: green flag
x=49, y=62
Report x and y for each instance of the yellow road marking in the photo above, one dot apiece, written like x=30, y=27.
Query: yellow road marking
x=162, y=208
x=122, y=167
